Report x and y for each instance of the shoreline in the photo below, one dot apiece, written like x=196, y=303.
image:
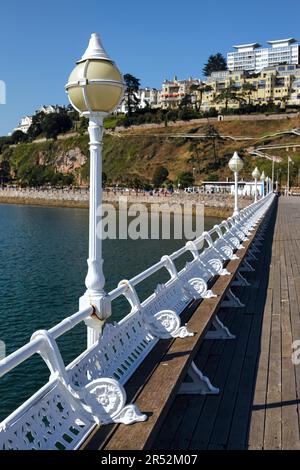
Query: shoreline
x=209, y=210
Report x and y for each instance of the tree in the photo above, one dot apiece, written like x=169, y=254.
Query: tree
x=18, y=137
x=36, y=126
x=132, y=87
x=104, y=179
x=229, y=95
x=186, y=101
x=196, y=153
x=4, y=171
x=56, y=123
x=185, y=179
x=5, y=141
x=160, y=175
x=247, y=90
x=213, y=137
x=215, y=63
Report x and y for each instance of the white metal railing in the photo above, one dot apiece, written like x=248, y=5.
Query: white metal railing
x=90, y=389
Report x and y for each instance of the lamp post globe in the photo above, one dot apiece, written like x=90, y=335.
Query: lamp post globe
x=95, y=84
x=236, y=164
x=95, y=88
x=262, y=178
x=256, y=176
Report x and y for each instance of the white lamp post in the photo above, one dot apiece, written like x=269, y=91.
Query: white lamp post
x=236, y=164
x=262, y=178
x=268, y=179
x=273, y=171
x=256, y=175
x=95, y=88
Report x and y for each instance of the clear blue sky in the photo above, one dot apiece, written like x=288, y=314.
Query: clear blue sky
x=153, y=40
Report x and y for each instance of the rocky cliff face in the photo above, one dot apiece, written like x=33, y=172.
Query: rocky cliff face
x=70, y=160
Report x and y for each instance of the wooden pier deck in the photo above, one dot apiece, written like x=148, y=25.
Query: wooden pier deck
x=259, y=401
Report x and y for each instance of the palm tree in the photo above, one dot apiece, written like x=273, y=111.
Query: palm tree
x=200, y=88
x=247, y=90
x=228, y=95
x=284, y=100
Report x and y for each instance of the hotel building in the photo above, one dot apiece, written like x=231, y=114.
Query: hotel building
x=253, y=58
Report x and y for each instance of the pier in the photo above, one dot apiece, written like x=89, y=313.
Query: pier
x=205, y=362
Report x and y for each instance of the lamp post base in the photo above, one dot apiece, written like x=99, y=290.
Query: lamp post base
x=235, y=213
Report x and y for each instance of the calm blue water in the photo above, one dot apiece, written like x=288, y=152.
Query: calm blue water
x=43, y=255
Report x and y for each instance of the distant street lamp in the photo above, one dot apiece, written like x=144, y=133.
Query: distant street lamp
x=288, y=176
x=236, y=165
x=95, y=88
x=273, y=172
x=267, y=185
x=262, y=178
x=256, y=176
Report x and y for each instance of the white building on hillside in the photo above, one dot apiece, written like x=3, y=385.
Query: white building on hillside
x=254, y=58
x=24, y=124
x=27, y=120
x=145, y=96
x=49, y=109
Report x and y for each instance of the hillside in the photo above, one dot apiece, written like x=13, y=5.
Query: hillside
x=137, y=152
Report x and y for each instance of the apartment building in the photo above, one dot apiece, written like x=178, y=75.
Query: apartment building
x=173, y=91
x=253, y=58
x=280, y=85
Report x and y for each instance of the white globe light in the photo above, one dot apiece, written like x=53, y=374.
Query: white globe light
x=236, y=164
x=95, y=84
x=256, y=173
x=263, y=176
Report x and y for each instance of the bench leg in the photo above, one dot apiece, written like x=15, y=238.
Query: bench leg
x=240, y=281
x=251, y=255
x=220, y=331
x=254, y=248
x=209, y=294
x=231, y=301
x=200, y=384
x=246, y=267
x=224, y=272
x=106, y=398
